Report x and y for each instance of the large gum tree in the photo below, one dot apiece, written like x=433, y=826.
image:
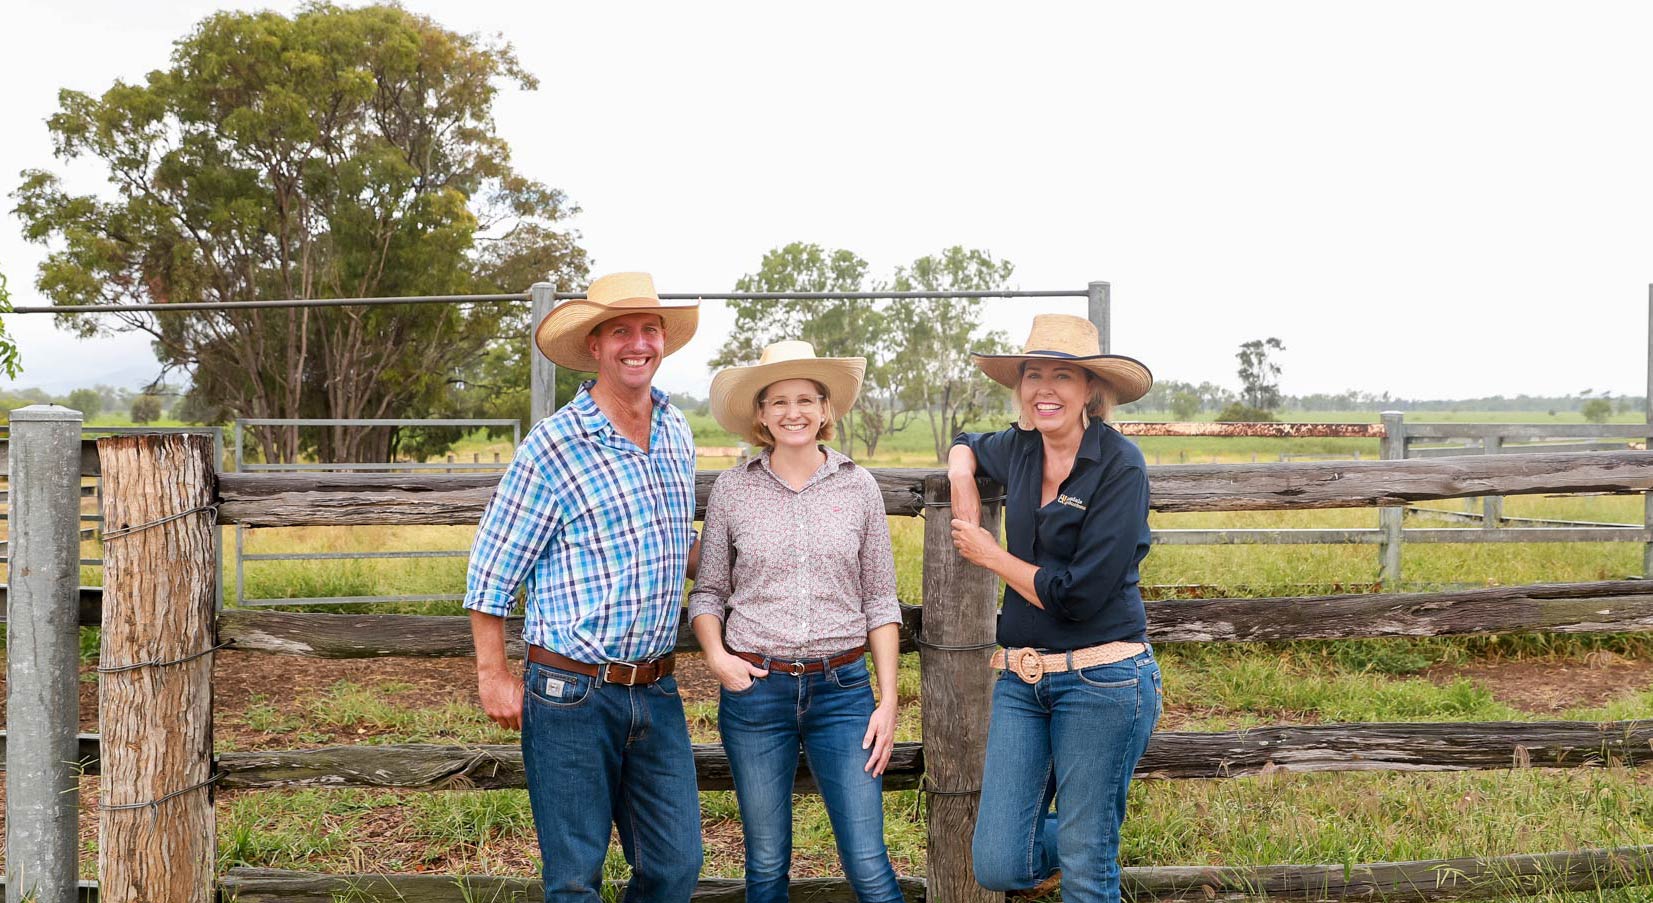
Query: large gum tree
x=333, y=153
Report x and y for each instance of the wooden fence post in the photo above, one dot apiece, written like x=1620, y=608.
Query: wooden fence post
x=1392, y=520
x=542, y=374
x=155, y=839
x=960, y=602
x=42, y=669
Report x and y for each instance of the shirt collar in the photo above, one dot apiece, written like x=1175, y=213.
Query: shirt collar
x=835, y=461
x=592, y=418
x=1090, y=444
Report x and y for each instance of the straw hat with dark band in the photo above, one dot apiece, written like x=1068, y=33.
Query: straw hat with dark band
x=1071, y=340
x=562, y=335
x=735, y=389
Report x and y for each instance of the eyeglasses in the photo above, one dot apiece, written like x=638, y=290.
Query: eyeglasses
x=805, y=404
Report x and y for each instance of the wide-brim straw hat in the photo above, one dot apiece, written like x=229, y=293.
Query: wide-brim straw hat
x=562, y=335
x=735, y=389
x=1071, y=340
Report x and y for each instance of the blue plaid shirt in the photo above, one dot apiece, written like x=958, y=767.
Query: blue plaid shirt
x=599, y=531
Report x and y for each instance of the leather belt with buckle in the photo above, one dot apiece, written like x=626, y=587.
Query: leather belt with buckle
x=626, y=674
x=808, y=666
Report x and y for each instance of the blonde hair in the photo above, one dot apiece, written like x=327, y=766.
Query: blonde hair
x=1098, y=404
x=766, y=439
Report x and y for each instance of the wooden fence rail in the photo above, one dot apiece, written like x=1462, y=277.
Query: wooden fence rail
x=1172, y=755
x=954, y=681
x=348, y=499
x=1426, y=881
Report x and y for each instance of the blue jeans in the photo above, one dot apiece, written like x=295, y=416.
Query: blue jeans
x=825, y=714
x=599, y=755
x=1075, y=737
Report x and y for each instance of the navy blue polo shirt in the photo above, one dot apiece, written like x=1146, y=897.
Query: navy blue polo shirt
x=1087, y=542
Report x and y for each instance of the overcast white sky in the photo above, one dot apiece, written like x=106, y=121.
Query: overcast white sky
x=1433, y=199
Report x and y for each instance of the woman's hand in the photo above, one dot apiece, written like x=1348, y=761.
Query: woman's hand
x=880, y=738
x=735, y=673
x=974, y=543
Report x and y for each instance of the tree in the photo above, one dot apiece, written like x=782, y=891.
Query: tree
x=89, y=402
x=146, y=409
x=1260, y=376
x=1239, y=412
x=10, y=362
x=336, y=153
x=1185, y=405
x=938, y=335
x=837, y=327
x=1598, y=410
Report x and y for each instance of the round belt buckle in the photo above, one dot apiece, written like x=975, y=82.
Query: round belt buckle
x=1029, y=665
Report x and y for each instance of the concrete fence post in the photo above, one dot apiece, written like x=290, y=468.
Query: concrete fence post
x=1099, y=307
x=1392, y=520
x=542, y=374
x=1492, y=506
x=43, y=656
x=1647, y=500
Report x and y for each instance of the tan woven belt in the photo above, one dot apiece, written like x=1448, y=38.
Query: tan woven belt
x=1029, y=665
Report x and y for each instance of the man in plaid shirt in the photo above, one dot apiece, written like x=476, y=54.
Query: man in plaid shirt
x=595, y=517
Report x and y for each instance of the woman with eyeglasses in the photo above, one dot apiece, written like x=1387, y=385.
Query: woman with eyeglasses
x=796, y=584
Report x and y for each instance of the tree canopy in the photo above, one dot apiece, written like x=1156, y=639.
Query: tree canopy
x=334, y=153
x=917, y=350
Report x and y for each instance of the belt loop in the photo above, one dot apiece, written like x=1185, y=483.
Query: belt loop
x=1069, y=659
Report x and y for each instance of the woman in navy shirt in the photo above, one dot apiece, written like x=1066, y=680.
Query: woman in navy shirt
x=1078, y=691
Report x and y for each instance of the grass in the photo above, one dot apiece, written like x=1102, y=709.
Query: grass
x=1331, y=818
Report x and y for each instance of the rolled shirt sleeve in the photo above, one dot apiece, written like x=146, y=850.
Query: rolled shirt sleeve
x=878, y=597
x=993, y=452
x=519, y=523
x=713, y=583
x=1106, y=551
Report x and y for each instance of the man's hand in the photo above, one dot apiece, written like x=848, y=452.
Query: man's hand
x=735, y=673
x=501, y=693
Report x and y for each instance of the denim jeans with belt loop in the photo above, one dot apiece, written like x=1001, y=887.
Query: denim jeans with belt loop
x=824, y=714
x=599, y=756
x=1073, y=737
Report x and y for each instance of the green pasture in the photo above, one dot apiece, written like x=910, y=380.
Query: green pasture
x=1317, y=818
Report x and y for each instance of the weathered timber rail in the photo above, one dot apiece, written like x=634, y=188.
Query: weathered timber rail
x=345, y=499
x=1607, y=606
x=1425, y=881
x=953, y=708
x=1172, y=755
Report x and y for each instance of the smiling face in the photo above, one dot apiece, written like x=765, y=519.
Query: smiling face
x=1052, y=395
x=793, y=411
x=628, y=349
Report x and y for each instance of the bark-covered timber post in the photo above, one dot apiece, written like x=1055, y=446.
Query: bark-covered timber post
x=42, y=665
x=960, y=604
x=156, y=833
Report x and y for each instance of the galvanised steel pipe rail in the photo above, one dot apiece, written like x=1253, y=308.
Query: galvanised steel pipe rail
x=182, y=307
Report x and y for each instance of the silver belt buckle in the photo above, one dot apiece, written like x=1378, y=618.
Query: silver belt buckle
x=631, y=679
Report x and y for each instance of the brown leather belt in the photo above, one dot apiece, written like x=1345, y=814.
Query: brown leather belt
x=812, y=666
x=626, y=674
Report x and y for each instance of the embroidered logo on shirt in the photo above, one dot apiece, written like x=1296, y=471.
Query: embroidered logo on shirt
x=1070, y=501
